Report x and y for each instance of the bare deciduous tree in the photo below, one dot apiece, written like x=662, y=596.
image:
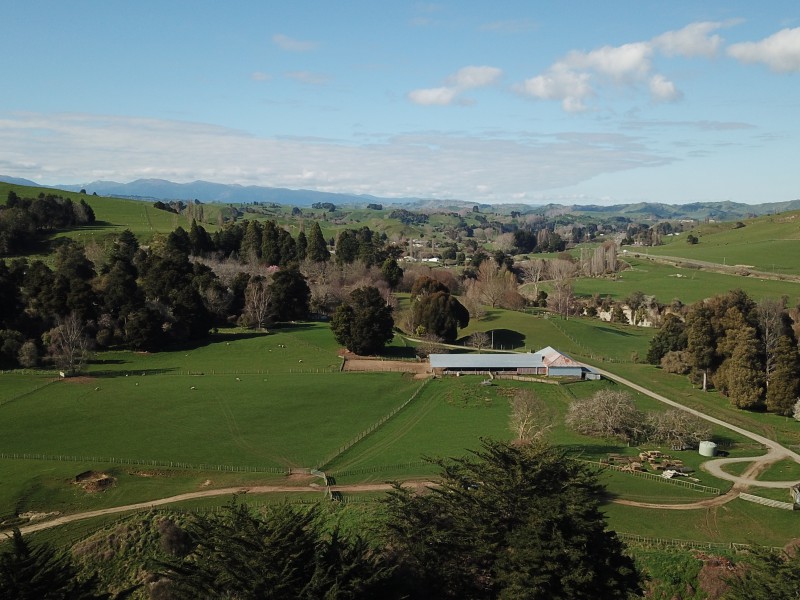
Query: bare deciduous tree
x=529, y=420
x=68, y=344
x=607, y=413
x=562, y=297
x=533, y=271
x=479, y=340
x=257, y=299
x=770, y=316
x=677, y=429
x=431, y=343
x=495, y=286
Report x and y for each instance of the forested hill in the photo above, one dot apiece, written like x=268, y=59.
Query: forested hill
x=160, y=189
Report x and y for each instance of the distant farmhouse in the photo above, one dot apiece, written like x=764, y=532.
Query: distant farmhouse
x=547, y=362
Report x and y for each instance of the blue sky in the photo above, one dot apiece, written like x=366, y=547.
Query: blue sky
x=515, y=101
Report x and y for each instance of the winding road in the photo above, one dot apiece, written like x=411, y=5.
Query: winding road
x=230, y=491
x=775, y=451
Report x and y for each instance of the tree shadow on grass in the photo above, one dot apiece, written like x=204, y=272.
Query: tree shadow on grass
x=399, y=352
x=590, y=451
x=612, y=330
x=506, y=339
x=131, y=373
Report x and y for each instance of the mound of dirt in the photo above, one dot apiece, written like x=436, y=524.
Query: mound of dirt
x=93, y=481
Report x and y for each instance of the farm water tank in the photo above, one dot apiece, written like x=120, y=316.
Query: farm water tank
x=708, y=449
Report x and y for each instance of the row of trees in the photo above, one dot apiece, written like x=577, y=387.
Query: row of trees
x=746, y=350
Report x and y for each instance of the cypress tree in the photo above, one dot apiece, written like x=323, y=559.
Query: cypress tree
x=317, y=250
x=784, y=385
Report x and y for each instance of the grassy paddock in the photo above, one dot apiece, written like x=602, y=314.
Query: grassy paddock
x=666, y=282
x=737, y=521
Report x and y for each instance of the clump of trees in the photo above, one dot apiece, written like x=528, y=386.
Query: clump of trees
x=746, y=350
x=282, y=553
x=24, y=220
x=613, y=414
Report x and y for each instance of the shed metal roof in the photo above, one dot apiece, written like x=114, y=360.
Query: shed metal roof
x=485, y=361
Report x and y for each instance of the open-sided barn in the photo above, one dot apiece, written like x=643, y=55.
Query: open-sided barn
x=547, y=362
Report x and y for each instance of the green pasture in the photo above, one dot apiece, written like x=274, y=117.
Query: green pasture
x=256, y=405
x=784, y=470
x=447, y=419
x=666, y=283
x=114, y=215
x=258, y=420
x=14, y=385
x=640, y=489
x=737, y=521
x=49, y=485
x=301, y=348
x=769, y=243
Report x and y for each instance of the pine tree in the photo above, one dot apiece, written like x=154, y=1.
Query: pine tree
x=364, y=323
x=744, y=372
x=317, y=250
x=250, y=248
x=700, y=341
x=39, y=573
x=783, y=390
x=283, y=554
x=302, y=245
x=509, y=522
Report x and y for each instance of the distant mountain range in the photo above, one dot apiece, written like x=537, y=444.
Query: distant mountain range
x=205, y=191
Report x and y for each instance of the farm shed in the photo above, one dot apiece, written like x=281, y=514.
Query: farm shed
x=546, y=362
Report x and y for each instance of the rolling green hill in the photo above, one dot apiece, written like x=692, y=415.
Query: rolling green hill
x=770, y=243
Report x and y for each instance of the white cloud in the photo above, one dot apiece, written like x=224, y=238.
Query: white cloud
x=473, y=77
x=579, y=75
x=663, y=90
x=560, y=83
x=284, y=42
x=78, y=148
x=464, y=79
x=692, y=40
x=260, y=76
x=780, y=51
x=441, y=96
x=621, y=63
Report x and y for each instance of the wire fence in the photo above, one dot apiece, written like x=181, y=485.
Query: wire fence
x=703, y=489
x=172, y=464
x=27, y=393
x=382, y=468
x=643, y=540
x=344, y=448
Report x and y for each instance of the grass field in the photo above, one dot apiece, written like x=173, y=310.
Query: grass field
x=769, y=243
x=689, y=285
